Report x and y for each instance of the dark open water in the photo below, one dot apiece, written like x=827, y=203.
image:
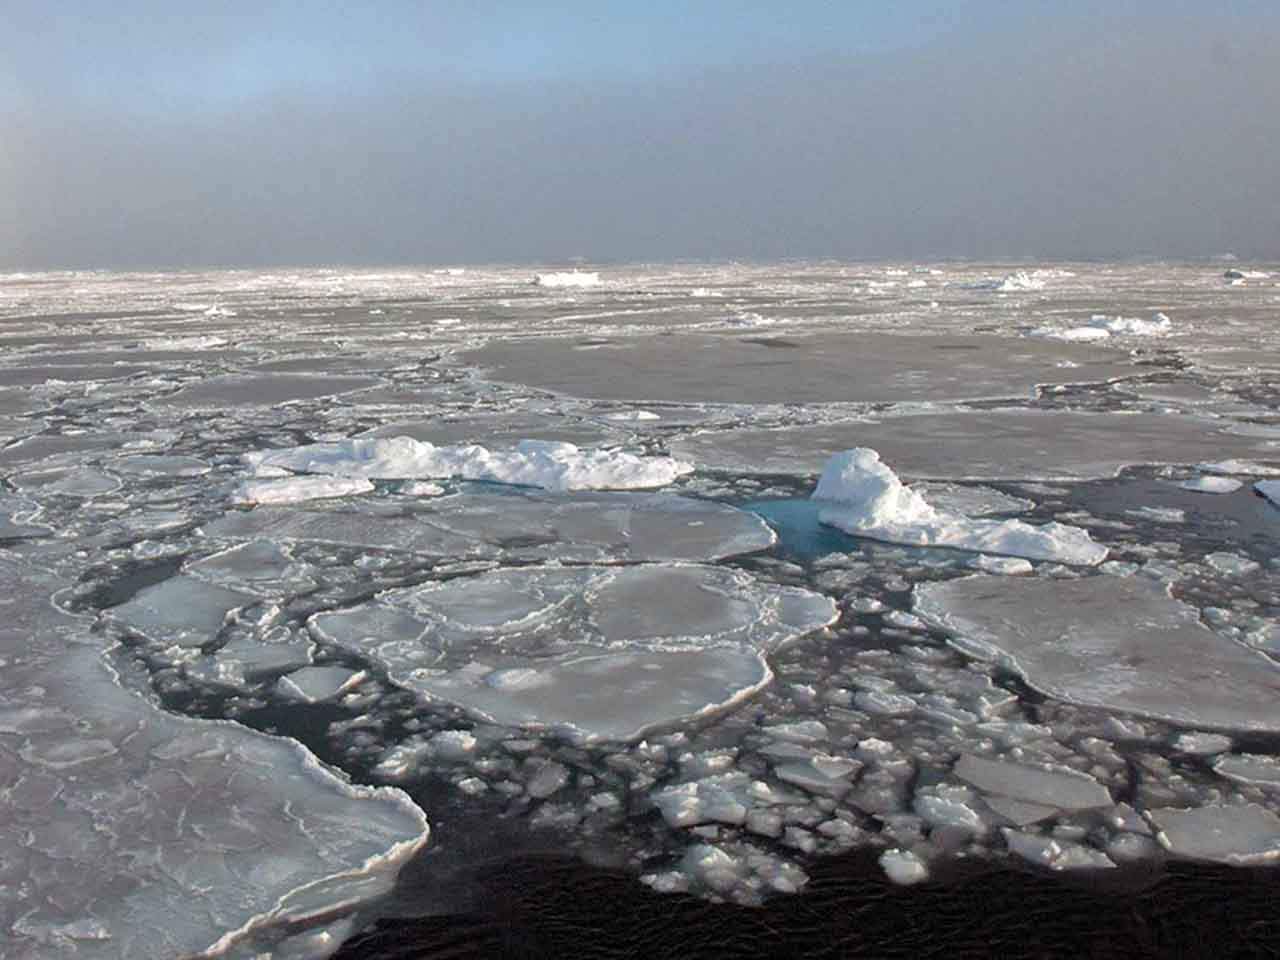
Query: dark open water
x=553, y=909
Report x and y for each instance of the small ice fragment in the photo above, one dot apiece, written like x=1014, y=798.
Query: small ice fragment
x=1212, y=484
x=1232, y=564
x=1005, y=566
x=315, y=684
x=903, y=867
x=1202, y=744
x=1054, y=854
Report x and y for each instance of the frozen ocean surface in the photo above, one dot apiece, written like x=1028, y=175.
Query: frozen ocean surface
x=712, y=574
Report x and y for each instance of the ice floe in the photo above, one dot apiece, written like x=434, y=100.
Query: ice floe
x=535, y=463
x=1115, y=642
x=119, y=817
x=586, y=651
x=863, y=496
x=300, y=489
x=1269, y=489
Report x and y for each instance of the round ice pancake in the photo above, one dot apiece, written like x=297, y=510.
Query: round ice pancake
x=594, y=653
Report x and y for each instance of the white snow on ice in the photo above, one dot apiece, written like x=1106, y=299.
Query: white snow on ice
x=864, y=497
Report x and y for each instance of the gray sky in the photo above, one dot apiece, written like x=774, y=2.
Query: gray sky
x=450, y=132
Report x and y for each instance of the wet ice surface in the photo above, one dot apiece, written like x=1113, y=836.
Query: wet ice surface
x=650, y=677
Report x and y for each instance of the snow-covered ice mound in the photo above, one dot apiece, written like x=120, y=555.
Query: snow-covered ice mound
x=864, y=497
x=299, y=489
x=1120, y=643
x=593, y=653
x=534, y=463
x=119, y=817
x=585, y=527
x=1102, y=327
x=568, y=278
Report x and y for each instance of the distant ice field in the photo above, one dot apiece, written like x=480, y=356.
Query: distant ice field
x=704, y=572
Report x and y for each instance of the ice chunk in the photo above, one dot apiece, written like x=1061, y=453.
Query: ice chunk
x=1120, y=643
x=567, y=279
x=1231, y=564
x=1053, y=853
x=314, y=684
x=1235, y=834
x=1211, y=485
x=1058, y=787
x=1269, y=489
x=534, y=463
x=903, y=867
x=1251, y=768
x=299, y=489
x=864, y=497
x=182, y=610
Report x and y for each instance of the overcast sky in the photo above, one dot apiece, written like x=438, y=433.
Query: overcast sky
x=137, y=134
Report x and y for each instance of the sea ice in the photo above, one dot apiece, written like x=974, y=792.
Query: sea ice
x=589, y=652
x=1120, y=643
x=1258, y=769
x=1269, y=489
x=1236, y=834
x=1059, y=788
x=825, y=367
x=119, y=816
x=182, y=610
x=569, y=279
x=979, y=445
x=864, y=497
x=535, y=463
x=1212, y=484
x=299, y=489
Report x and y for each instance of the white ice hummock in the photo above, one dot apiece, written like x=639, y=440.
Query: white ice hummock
x=864, y=497
x=533, y=463
x=568, y=278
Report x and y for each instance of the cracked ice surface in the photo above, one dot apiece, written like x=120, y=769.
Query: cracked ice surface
x=120, y=817
x=584, y=652
x=591, y=527
x=1115, y=642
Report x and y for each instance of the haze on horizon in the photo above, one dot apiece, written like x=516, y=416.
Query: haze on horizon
x=139, y=135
